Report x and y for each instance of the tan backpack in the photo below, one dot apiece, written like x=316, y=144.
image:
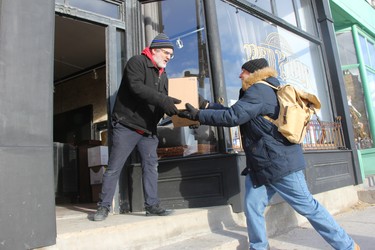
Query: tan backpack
x=296, y=109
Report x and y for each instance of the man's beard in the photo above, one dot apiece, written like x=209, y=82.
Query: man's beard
x=160, y=62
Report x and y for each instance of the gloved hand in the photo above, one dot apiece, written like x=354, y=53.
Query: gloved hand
x=169, y=107
x=203, y=103
x=190, y=113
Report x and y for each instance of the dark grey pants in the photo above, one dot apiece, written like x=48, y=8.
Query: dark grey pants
x=124, y=140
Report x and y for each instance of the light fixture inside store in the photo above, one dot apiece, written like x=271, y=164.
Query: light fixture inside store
x=179, y=43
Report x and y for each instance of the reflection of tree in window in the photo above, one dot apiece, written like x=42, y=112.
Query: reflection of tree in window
x=357, y=109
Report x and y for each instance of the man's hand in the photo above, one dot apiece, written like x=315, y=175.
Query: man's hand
x=169, y=107
x=190, y=113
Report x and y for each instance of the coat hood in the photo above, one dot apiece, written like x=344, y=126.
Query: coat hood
x=258, y=75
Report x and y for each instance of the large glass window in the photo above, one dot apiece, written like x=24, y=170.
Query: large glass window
x=357, y=108
x=285, y=11
x=354, y=88
x=346, y=48
x=110, y=8
x=183, y=22
x=264, y=4
x=306, y=16
x=371, y=84
x=365, y=54
x=289, y=10
x=368, y=51
x=297, y=60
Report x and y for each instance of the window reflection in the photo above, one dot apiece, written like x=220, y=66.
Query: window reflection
x=346, y=48
x=306, y=16
x=365, y=54
x=183, y=22
x=98, y=6
x=263, y=4
x=371, y=52
x=285, y=11
x=297, y=60
x=357, y=108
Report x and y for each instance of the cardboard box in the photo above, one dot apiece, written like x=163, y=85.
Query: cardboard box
x=96, y=175
x=97, y=156
x=185, y=89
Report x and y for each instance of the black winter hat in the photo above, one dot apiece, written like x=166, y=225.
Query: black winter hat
x=161, y=41
x=254, y=65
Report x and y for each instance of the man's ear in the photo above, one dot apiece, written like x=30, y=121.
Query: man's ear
x=153, y=51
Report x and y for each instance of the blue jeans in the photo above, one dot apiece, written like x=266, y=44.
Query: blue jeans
x=124, y=140
x=293, y=189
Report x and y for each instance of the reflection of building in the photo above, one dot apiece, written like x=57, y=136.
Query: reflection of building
x=65, y=58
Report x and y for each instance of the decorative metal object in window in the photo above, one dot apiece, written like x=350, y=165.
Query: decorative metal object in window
x=323, y=135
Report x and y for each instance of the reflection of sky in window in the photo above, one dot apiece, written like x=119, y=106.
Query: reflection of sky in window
x=365, y=54
x=371, y=84
x=371, y=49
x=285, y=11
x=263, y=4
x=97, y=6
x=179, y=20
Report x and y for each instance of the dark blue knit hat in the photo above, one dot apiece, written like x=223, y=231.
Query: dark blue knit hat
x=161, y=41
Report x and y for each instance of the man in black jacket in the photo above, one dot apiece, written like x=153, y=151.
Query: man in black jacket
x=141, y=102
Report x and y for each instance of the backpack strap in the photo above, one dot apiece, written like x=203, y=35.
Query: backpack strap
x=275, y=88
x=269, y=85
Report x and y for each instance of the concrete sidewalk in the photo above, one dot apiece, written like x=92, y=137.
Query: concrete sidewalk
x=359, y=222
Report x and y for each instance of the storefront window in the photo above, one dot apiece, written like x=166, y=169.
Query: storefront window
x=288, y=10
x=368, y=51
x=285, y=11
x=306, y=16
x=371, y=84
x=365, y=54
x=357, y=108
x=371, y=52
x=297, y=60
x=346, y=48
x=264, y=4
x=183, y=22
x=103, y=7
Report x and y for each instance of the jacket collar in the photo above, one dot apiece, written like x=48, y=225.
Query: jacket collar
x=147, y=52
x=257, y=76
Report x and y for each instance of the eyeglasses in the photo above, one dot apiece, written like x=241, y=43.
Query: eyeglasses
x=167, y=53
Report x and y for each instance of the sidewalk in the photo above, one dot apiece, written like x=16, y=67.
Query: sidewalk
x=359, y=222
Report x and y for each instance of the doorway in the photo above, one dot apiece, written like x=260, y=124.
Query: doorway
x=80, y=106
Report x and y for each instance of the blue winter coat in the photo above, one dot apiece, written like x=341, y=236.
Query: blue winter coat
x=269, y=156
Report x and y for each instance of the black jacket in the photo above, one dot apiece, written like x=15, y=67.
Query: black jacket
x=141, y=92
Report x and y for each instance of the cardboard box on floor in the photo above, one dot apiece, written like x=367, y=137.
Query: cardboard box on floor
x=185, y=89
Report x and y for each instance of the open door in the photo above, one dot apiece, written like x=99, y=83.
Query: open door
x=80, y=106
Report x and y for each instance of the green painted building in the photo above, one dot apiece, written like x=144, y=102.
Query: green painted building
x=354, y=24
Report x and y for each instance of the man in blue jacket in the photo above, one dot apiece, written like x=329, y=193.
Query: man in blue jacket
x=141, y=102
x=273, y=164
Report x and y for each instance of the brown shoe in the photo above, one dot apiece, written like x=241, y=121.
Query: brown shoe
x=356, y=247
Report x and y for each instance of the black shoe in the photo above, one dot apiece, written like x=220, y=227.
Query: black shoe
x=157, y=211
x=101, y=213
